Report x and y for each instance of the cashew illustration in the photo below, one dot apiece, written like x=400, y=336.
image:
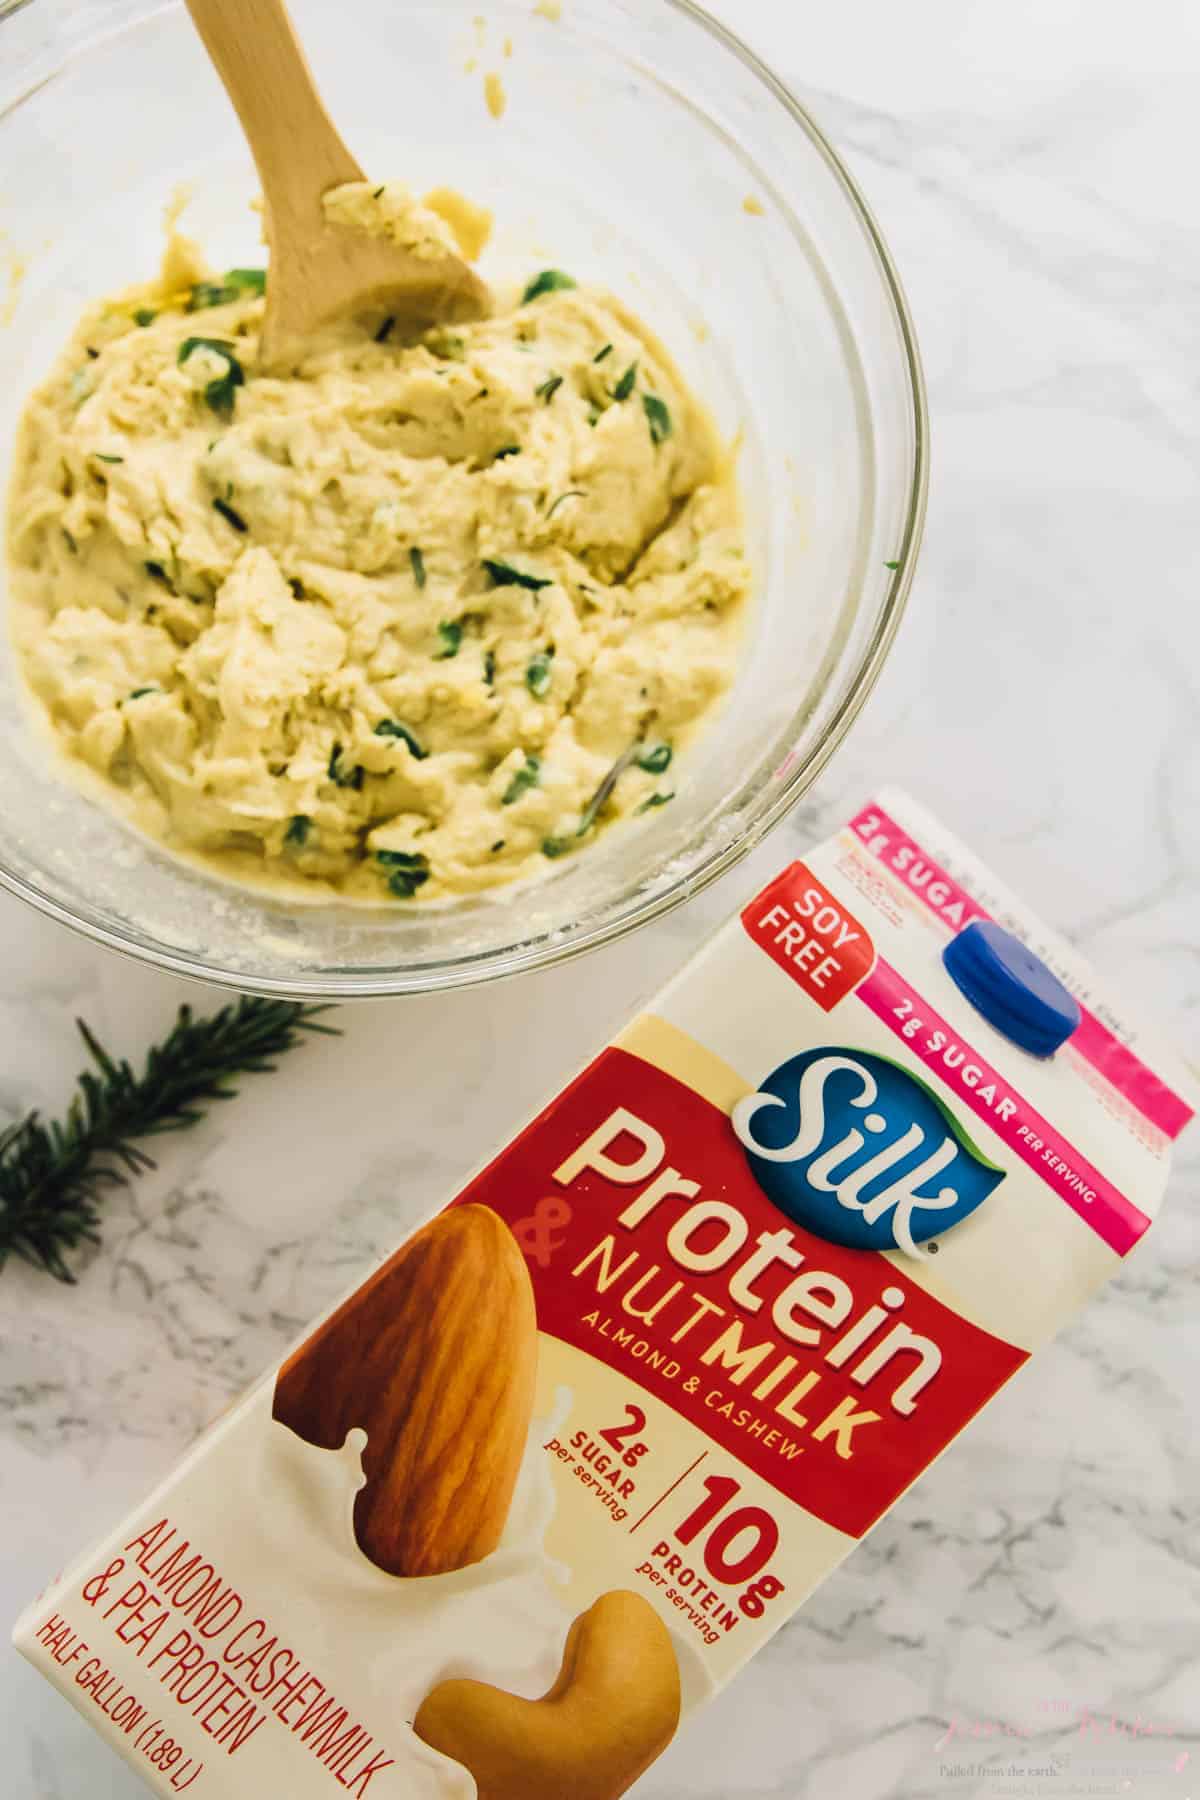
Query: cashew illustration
x=612, y=1711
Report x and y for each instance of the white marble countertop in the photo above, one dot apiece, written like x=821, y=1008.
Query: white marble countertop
x=1033, y=167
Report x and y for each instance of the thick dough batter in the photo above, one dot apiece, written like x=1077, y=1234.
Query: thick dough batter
x=418, y=619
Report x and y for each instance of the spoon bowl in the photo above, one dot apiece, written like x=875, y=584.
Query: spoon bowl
x=319, y=270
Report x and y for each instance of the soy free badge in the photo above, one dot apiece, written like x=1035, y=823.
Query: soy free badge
x=811, y=934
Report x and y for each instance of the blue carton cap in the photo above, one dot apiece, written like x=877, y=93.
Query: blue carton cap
x=1012, y=988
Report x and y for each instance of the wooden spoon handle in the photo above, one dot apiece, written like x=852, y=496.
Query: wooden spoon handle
x=296, y=146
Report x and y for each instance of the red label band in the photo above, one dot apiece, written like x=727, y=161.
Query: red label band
x=810, y=935
x=825, y=1370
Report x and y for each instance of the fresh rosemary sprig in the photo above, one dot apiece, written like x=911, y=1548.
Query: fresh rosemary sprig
x=54, y=1175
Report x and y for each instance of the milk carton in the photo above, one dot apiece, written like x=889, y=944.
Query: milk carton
x=563, y=1463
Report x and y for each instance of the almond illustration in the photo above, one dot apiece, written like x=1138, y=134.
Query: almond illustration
x=434, y=1358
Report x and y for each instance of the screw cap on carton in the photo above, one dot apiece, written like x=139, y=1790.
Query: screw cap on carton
x=1012, y=988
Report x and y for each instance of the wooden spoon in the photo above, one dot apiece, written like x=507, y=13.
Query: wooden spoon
x=318, y=270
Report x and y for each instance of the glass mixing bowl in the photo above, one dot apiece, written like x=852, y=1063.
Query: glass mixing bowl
x=643, y=147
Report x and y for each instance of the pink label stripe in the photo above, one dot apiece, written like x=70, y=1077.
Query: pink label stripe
x=1030, y=1136
x=916, y=870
